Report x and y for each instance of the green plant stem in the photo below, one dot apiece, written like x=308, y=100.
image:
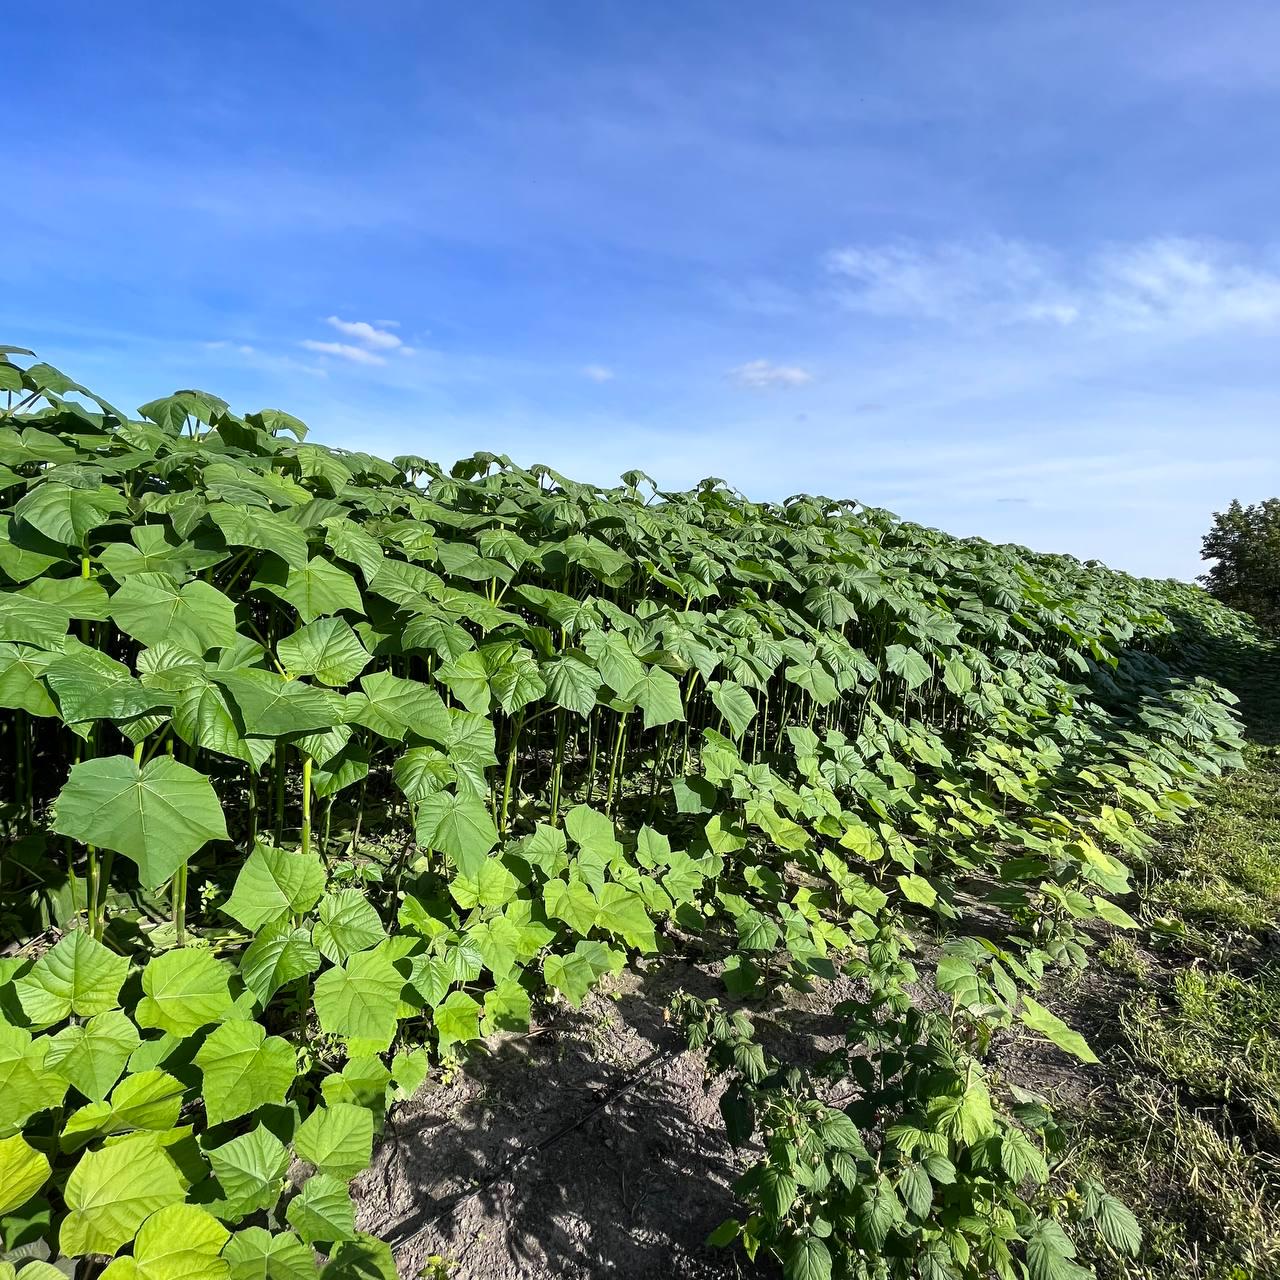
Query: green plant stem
x=180, y=905
x=306, y=804
x=510, y=771
x=618, y=737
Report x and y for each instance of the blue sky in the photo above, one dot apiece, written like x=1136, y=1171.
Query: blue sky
x=1011, y=269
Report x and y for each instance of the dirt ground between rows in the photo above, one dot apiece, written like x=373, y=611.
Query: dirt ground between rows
x=589, y=1147
x=593, y=1147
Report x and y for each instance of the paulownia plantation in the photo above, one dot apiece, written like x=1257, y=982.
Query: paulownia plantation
x=318, y=767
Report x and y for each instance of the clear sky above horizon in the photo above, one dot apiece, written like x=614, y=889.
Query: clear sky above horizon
x=1011, y=269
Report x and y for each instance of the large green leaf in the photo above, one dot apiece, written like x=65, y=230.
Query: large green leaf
x=348, y=923
x=322, y=1211
x=735, y=704
x=89, y=685
x=260, y=529
x=657, y=694
x=316, y=589
x=178, y=1242
x=78, y=975
x=151, y=607
x=327, y=649
x=158, y=814
x=111, y=1192
x=908, y=664
x=360, y=1000
x=459, y=826
x=184, y=990
x=66, y=514
x=572, y=683
x=244, y=1069
x=255, y=1254
x=271, y=706
x=337, y=1139
x=391, y=706
x=91, y=1055
x=23, y=1171
x=250, y=1170
x=273, y=884
x=280, y=954
x=1049, y=1025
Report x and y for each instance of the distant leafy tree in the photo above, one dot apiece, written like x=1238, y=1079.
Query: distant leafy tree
x=1245, y=544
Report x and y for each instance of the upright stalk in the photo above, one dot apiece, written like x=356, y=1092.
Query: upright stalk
x=306, y=804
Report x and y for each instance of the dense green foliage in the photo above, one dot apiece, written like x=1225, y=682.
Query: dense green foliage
x=1244, y=544
x=318, y=764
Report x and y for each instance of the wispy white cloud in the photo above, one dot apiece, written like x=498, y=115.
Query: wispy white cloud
x=597, y=372
x=343, y=350
x=371, y=336
x=763, y=374
x=1174, y=285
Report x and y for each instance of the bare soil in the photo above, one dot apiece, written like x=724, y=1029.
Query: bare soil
x=589, y=1147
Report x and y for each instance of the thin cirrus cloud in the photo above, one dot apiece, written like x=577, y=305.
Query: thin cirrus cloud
x=761, y=375
x=1164, y=284
x=367, y=334
x=369, y=345
x=344, y=351
x=597, y=373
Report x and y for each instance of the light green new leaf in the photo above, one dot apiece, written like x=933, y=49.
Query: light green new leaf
x=273, y=884
x=23, y=1171
x=27, y=1085
x=917, y=889
x=1049, y=1025
x=456, y=1019
x=348, y=923
x=111, y=1192
x=148, y=1100
x=255, y=1254
x=506, y=1008
x=91, y=1055
x=184, y=990
x=573, y=903
x=957, y=677
x=250, y=1170
x=337, y=1139
x=360, y=1000
x=570, y=974
x=623, y=914
x=79, y=975
x=178, y=1242
x=244, y=1069
x=322, y=1211
x=364, y=1258
x=157, y=814
x=494, y=886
